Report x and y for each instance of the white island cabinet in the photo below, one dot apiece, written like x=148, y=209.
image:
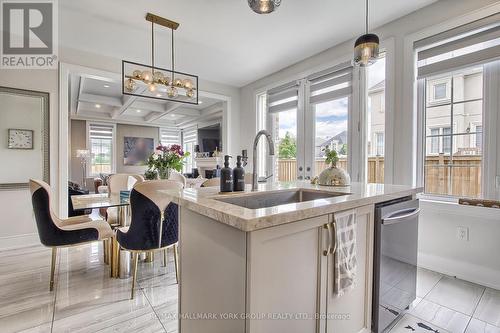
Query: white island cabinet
x=260, y=270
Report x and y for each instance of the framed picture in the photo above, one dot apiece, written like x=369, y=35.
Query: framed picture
x=136, y=151
x=20, y=138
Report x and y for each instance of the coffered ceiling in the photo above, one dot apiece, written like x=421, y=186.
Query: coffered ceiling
x=100, y=98
x=221, y=40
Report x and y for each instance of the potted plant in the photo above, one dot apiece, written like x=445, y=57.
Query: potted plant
x=163, y=160
x=333, y=176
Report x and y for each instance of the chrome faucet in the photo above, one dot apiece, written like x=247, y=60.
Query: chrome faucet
x=271, y=152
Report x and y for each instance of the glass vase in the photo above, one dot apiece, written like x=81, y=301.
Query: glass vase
x=164, y=173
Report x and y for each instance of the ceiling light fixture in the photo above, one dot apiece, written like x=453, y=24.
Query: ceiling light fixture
x=98, y=106
x=145, y=80
x=138, y=111
x=366, y=48
x=264, y=6
x=106, y=86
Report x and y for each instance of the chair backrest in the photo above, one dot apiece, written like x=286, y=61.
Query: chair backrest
x=146, y=206
x=119, y=182
x=211, y=182
x=174, y=175
x=47, y=222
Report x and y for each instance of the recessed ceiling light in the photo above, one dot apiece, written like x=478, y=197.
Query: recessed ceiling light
x=158, y=95
x=138, y=111
x=98, y=106
x=200, y=102
x=172, y=115
x=106, y=86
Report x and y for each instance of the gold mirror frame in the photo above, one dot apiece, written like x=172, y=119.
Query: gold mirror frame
x=45, y=135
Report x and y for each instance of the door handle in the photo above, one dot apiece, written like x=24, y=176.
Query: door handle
x=328, y=250
x=333, y=249
x=400, y=216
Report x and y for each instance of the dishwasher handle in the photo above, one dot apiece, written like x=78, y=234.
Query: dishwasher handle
x=400, y=216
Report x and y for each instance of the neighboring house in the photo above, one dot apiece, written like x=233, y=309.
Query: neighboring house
x=376, y=119
x=335, y=143
x=467, y=116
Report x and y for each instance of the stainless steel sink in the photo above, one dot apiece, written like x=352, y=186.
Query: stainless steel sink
x=272, y=199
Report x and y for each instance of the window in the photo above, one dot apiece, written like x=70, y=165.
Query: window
x=170, y=136
x=453, y=160
x=440, y=91
x=375, y=76
x=479, y=137
x=189, y=141
x=434, y=149
x=380, y=143
x=101, y=142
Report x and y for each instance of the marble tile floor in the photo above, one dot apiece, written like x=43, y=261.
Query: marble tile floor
x=448, y=305
x=86, y=300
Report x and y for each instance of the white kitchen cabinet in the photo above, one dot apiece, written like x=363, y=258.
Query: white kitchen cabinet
x=276, y=279
x=290, y=279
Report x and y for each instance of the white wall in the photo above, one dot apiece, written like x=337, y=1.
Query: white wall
x=17, y=227
x=440, y=250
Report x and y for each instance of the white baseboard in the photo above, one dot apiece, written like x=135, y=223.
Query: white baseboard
x=463, y=270
x=19, y=241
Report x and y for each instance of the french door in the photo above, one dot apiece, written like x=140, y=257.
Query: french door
x=309, y=115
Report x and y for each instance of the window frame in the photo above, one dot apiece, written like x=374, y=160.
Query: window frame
x=89, y=147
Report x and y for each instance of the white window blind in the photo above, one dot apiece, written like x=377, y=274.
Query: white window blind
x=98, y=131
x=101, y=148
x=473, y=44
x=283, y=98
x=190, y=135
x=170, y=136
x=330, y=84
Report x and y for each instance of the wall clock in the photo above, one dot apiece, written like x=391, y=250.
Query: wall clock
x=20, y=139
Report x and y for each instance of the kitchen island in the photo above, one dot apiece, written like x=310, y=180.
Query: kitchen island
x=262, y=261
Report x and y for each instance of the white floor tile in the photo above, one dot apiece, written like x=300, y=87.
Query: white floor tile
x=477, y=326
x=455, y=294
x=411, y=324
x=438, y=315
x=488, y=309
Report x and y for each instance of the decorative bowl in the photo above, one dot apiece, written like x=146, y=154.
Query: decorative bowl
x=334, y=176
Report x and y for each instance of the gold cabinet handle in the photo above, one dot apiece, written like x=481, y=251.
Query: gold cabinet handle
x=334, y=237
x=328, y=227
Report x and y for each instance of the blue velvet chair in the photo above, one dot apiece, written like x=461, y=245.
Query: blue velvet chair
x=154, y=222
x=55, y=232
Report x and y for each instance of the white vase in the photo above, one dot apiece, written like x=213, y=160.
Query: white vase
x=334, y=176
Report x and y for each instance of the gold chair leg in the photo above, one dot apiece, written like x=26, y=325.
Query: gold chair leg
x=176, y=261
x=53, y=268
x=149, y=256
x=135, y=259
x=165, y=257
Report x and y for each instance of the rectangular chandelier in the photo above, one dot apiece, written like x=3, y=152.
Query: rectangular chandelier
x=149, y=81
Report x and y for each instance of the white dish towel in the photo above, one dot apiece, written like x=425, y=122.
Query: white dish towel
x=344, y=257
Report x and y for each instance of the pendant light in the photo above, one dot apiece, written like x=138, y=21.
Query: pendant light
x=366, y=48
x=264, y=6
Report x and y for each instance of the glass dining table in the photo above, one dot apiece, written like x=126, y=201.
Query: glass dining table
x=103, y=200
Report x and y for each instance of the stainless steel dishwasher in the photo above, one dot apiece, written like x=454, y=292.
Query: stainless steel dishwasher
x=395, y=260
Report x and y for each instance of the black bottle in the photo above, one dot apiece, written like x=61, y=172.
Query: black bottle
x=226, y=176
x=239, y=176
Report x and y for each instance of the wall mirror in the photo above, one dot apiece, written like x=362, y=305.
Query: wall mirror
x=24, y=137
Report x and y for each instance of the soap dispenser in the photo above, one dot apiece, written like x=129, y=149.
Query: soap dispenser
x=226, y=176
x=239, y=176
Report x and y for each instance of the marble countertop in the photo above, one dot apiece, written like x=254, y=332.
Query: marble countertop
x=202, y=201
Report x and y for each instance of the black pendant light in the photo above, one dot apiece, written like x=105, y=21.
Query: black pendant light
x=264, y=6
x=366, y=48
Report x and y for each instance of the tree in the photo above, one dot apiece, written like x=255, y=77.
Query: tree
x=288, y=147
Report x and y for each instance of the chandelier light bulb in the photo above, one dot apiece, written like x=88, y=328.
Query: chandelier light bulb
x=147, y=76
x=129, y=85
x=152, y=87
x=172, y=92
x=190, y=93
x=188, y=84
x=178, y=83
x=158, y=77
x=137, y=74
